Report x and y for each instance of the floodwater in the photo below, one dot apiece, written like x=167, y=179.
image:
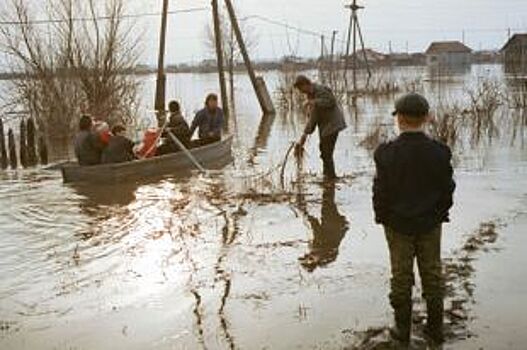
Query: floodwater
x=236, y=261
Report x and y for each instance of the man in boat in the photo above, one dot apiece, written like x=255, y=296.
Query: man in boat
x=120, y=149
x=325, y=113
x=209, y=122
x=178, y=127
x=88, y=144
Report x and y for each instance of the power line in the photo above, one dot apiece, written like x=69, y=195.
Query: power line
x=102, y=18
x=287, y=26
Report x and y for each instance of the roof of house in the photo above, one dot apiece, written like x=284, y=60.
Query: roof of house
x=518, y=37
x=447, y=47
x=371, y=55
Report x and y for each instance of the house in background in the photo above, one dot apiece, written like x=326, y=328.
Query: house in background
x=515, y=54
x=448, y=54
x=369, y=56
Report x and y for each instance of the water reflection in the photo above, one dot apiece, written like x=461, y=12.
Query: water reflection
x=95, y=197
x=262, y=137
x=328, y=232
x=196, y=263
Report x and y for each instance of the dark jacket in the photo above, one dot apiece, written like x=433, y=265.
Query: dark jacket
x=119, y=150
x=327, y=114
x=208, y=125
x=88, y=148
x=413, y=186
x=178, y=126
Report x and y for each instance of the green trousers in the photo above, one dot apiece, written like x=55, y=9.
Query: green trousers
x=425, y=248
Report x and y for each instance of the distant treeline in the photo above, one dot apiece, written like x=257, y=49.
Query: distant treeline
x=209, y=66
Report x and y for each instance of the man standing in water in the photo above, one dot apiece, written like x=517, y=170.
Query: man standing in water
x=412, y=195
x=326, y=114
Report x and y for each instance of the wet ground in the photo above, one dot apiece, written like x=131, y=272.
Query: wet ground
x=239, y=261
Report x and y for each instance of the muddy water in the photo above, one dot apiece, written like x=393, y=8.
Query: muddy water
x=237, y=261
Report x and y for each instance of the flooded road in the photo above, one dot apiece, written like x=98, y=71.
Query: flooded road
x=235, y=261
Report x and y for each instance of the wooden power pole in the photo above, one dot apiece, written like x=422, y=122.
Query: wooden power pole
x=160, y=103
x=258, y=84
x=219, y=59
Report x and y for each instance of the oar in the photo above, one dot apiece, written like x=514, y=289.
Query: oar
x=187, y=152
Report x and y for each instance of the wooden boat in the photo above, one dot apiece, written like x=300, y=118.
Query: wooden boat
x=210, y=156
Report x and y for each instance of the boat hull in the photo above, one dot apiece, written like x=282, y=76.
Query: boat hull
x=211, y=156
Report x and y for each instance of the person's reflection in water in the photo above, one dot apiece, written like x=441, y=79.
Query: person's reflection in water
x=328, y=232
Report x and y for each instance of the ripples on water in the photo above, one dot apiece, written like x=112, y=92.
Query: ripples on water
x=215, y=261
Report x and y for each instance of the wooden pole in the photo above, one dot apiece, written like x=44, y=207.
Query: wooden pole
x=42, y=150
x=3, y=150
x=160, y=103
x=31, y=143
x=354, y=51
x=332, y=59
x=219, y=59
x=322, y=46
x=321, y=61
x=13, y=160
x=363, y=48
x=23, y=144
x=348, y=48
x=261, y=95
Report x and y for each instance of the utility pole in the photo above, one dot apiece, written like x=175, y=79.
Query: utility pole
x=160, y=103
x=260, y=89
x=332, y=58
x=333, y=38
x=355, y=35
x=219, y=59
x=322, y=46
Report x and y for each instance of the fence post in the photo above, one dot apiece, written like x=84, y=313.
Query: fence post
x=23, y=144
x=31, y=143
x=42, y=150
x=13, y=160
x=3, y=150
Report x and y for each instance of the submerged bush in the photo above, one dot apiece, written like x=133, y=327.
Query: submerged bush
x=77, y=65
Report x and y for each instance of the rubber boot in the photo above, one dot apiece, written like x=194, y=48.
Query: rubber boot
x=434, y=324
x=403, y=324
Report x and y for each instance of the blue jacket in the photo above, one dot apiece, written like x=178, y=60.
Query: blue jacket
x=208, y=125
x=413, y=186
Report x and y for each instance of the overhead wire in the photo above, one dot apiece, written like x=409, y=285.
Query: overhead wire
x=102, y=18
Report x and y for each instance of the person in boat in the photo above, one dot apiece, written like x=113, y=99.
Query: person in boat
x=88, y=145
x=102, y=129
x=148, y=146
x=178, y=127
x=325, y=114
x=209, y=122
x=120, y=149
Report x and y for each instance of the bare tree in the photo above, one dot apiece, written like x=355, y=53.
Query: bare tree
x=72, y=61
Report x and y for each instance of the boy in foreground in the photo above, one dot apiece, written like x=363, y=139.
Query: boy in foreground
x=412, y=195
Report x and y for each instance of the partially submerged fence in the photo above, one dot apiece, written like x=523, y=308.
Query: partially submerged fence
x=30, y=151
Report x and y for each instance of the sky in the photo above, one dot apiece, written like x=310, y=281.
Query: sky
x=404, y=25
x=409, y=25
